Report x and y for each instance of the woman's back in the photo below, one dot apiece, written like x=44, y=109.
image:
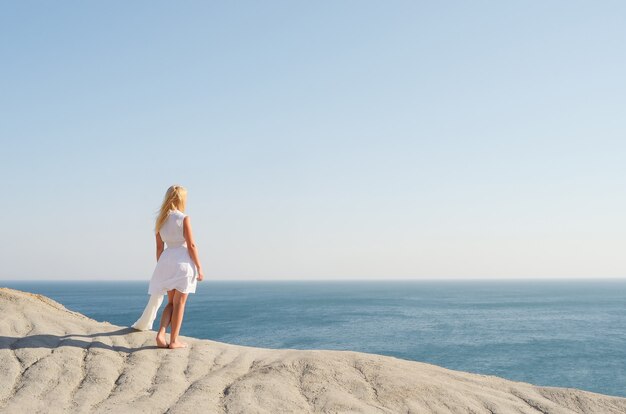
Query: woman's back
x=175, y=269
x=172, y=230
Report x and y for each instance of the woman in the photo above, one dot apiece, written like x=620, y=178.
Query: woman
x=178, y=266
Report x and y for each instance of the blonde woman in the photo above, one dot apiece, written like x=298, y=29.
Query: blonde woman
x=177, y=270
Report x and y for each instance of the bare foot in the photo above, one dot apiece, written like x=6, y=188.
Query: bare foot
x=178, y=344
x=161, y=342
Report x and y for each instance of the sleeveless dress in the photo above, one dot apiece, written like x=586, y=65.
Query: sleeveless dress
x=175, y=269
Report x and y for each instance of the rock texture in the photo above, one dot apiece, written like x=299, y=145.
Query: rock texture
x=53, y=360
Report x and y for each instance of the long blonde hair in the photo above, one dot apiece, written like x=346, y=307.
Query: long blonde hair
x=175, y=199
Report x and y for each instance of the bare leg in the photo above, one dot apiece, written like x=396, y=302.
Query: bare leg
x=166, y=318
x=177, y=319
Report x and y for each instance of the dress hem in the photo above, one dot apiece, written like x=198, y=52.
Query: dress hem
x=164, y=291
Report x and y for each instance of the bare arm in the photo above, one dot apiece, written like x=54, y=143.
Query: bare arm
x=159, y=246
x=191, y=246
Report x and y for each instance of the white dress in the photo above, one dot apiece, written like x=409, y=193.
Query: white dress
x=146, y=320
x=175, y=269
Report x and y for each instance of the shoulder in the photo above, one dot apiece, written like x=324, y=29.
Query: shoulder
x=177, y=213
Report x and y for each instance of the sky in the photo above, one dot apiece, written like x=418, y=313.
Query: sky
x=317, y=140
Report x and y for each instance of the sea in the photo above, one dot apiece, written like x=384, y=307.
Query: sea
x=564, y=333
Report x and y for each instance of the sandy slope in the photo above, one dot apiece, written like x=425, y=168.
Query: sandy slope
x=54, y=360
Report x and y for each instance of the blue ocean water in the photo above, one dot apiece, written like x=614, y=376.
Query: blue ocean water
x=550, y=332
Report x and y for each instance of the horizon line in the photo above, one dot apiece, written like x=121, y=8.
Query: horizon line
x=344, y=279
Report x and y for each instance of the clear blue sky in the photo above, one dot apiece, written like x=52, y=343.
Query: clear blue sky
x=338, y=139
